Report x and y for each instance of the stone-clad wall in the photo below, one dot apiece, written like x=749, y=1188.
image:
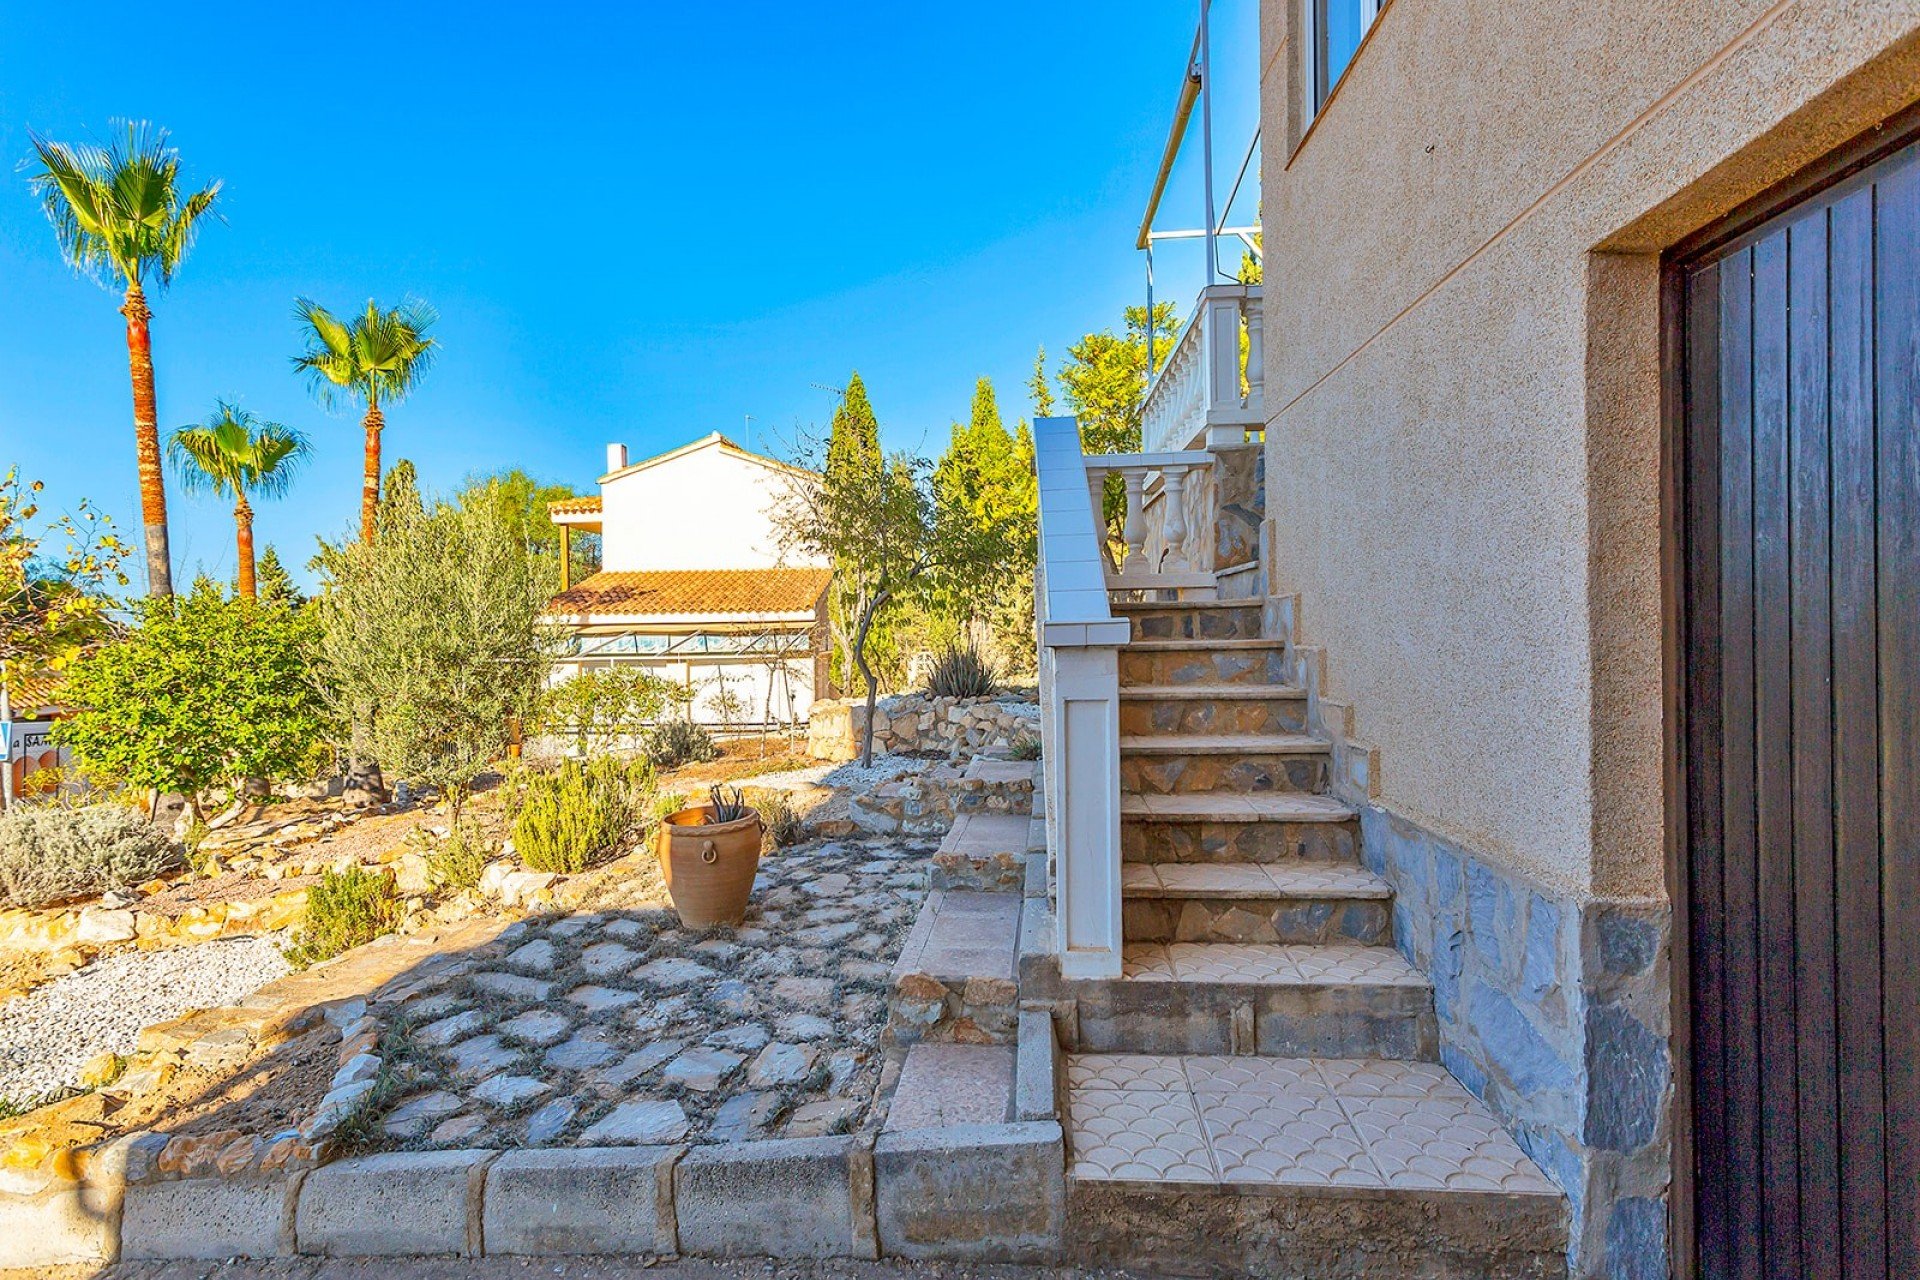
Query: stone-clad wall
x=1556, y=1013
x=918, y=722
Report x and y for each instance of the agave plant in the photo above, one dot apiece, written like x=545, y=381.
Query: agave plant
x=236, y=455
x=122, y=217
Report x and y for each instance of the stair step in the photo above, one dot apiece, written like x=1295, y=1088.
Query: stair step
x=1160, y=709
x=1279, y=1166
x=1172, y=764
x=1205, y=692
x=955, y=978
x=1220, y=826
x=1341, y=999
x=1251, y=881
x=1222, y=744
x=1214, y=806
x=1195, y=619
x=1203, y=662
x=985, y=851
x=1291, y=902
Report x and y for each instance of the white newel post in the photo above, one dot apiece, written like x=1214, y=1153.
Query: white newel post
x=1080, y=641
x=1084, y=800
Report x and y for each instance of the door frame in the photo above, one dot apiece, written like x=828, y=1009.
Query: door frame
x=1749, y=219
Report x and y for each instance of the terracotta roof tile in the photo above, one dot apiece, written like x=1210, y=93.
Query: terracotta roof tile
x=696, y=591
x=30, y=695
x=587, y=506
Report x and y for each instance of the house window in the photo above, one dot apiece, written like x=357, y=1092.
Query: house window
x=1338, y=27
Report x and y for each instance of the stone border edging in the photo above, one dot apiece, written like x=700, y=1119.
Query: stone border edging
x=982, y=1192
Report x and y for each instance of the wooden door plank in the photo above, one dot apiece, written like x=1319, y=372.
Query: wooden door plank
x=1817, y=1106
x=1896, y=386
x=1856, y=739
x=1741, y=1066
x=1773, y=766
x=1707, y=955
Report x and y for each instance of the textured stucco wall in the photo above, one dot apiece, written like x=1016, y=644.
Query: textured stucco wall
x=1463, y=377
x=708, y=509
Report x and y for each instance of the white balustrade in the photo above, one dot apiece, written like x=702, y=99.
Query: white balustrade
x=1080, y=641
x=1196, y=397
x=1138, y=471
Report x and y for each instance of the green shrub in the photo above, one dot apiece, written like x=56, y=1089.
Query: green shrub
x=962, y=671
x=679, y=742
x=778, y=816
x=54, y=851
x=347, y=909
x=597, y=708
x=457, y=860
x=1025, y=748
x=580, y=814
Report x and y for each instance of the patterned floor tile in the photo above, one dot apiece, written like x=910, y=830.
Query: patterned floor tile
x=1343, y=962
x=1146, y=962
x=1326, y=880
x=1139, y=1135
x=1231, y=962
x=1441, y=1142
x=1126, y=1071
x=1208, y=1073
x=1361, y=1078
x=1291, y=1139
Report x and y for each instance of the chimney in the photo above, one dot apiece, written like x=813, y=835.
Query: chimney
x=616, y=457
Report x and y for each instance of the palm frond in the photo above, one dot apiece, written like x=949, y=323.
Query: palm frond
x=119, y=208
x=234, y=453
x=378, y=354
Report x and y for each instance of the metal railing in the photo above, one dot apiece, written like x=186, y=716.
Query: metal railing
x=1080, y=641
x=1204, y=395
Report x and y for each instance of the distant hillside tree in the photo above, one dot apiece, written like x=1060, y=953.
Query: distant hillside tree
x=984, y=493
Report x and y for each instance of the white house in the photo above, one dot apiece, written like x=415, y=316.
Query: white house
x=693, y=585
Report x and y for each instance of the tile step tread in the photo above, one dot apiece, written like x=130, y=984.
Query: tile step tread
x=1248, y=880
x=1192, y=646
x=1262, y=1125
x=1269, y=964
x=1222, y=744
x=986, y=834
x=1208, y=692
x=1214, y=806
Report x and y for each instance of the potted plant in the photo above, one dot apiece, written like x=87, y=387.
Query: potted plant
x=709, y=854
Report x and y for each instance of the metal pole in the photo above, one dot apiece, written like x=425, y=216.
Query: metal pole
x=1206, y=141
x=1149, y=311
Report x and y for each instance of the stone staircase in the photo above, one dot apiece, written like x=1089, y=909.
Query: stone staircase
x=1257, y=1093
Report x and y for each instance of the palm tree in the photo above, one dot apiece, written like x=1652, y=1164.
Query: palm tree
x=234, y=454
x=378, y=356
x=121, y=218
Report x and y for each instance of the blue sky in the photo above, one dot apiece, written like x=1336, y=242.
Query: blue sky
x=639, y=222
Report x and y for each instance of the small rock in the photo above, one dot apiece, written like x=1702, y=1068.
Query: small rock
x=818, y=1119
x=746, y=1037
x=702, y=1069
x=535, y=957
x=410, y=1116
x=780, y=1064
x=644, y=1122
x=448, y=1030
x=551, y=1120
x=744, y=1116
x=100, y=927
x=595, y=999
x=482, y=1056
x=578, y=1054
x=672, y=971
x=460, y=1128
x=804, y=1026
x=539, y=1027
x=522, y=885
x=513, y=986
x=636, y=1064
x=608, y=960
x=803, y=993
x=361, y=1066
x=733, y=996
x=510, y=1091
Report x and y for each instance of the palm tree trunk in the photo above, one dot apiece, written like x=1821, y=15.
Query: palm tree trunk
x=370, y=470
x=146, y=442
x=243, y=530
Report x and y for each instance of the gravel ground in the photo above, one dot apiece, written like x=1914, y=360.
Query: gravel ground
x=570, y=1269
x=848, y=777
x=47, y=1035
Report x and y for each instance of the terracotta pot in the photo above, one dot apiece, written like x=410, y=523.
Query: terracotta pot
x=709, y=866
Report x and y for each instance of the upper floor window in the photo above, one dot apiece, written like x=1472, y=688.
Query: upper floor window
x=1338, y=27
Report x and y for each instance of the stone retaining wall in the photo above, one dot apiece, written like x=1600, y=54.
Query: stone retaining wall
x=918, y=722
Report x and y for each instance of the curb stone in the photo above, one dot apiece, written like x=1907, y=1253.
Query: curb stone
x=722, y=1196
x=981, y=1192
x=210, y=1218
x=581, y=1201
x=395, y=1204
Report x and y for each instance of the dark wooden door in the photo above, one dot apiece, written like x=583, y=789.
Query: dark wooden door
x=1801, y=530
